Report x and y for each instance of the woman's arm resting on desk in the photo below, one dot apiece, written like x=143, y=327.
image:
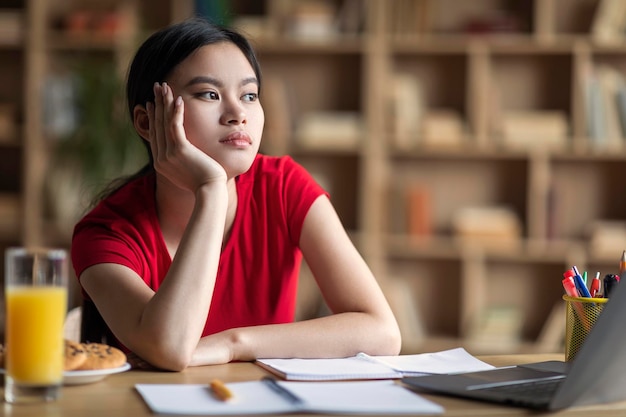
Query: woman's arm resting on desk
x=361, y=321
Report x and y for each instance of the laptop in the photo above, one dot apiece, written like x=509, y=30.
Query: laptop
x=597, y=375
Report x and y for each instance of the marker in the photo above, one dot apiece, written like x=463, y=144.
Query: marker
x=570, y=287
x=580, y=286
x=610, y=281
x=220, y=390
x=595, y=285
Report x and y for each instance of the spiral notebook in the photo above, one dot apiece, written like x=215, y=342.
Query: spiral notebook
x=363, y=366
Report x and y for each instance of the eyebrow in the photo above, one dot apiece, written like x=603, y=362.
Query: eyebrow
x=210, y=80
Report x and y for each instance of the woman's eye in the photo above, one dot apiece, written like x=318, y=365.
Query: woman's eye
x=211, y=95
x=250, y=97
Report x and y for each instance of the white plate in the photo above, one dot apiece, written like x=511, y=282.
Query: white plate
x=88, y=376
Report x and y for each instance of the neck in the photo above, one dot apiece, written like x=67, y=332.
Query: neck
x=175, y=206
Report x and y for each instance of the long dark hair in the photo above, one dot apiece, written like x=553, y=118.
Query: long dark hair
x=155, y=59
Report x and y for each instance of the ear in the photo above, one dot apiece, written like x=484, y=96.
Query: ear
x=141, y=121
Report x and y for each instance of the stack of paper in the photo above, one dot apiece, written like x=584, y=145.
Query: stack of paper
x=363, y=366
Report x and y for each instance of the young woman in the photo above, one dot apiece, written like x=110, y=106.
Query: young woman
x=195, y=260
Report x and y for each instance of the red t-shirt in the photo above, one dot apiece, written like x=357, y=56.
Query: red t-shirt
x=258, y=271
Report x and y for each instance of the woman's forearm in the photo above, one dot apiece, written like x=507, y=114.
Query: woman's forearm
x=337, y=335
x=176, y=315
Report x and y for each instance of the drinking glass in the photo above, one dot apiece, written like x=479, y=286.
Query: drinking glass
x=36, y=305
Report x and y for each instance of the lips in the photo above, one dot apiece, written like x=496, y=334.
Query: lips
x=237, y=139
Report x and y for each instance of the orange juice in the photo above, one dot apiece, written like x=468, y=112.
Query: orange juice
x=34, y=338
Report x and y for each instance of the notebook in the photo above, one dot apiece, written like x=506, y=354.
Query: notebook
x=595, y=376
x=257, y=397
x=363, y=366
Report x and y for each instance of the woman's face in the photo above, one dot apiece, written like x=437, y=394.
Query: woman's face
x=223, y=114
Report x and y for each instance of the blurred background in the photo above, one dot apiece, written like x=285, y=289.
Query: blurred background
x=473, y=149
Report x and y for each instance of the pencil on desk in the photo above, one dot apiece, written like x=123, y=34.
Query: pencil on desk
x=622, y=265
x=220, y=390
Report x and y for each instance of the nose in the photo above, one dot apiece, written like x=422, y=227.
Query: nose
x=233, y=113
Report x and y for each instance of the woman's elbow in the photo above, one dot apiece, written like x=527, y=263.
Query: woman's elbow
x=169, y=363
x=166, y=358
x=392, y=340
x=390, y=336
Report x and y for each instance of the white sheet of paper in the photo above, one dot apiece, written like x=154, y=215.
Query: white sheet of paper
x=444, y=362
x=363, y=366
x=254, y=397
x=330, y=369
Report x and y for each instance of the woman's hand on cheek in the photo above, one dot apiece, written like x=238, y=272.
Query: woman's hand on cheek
x=174, y=156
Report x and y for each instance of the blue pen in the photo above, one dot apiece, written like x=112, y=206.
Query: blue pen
x=580, y=284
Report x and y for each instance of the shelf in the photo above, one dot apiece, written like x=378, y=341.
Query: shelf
x=338, y=46
x=72, y=43
x=527, y=250
x=469, y=66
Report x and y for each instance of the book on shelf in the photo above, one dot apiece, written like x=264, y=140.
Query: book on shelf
x=10, y=214
x=621, y=107
x=609, y=22
x=11, y=26
x=406, y=107
x=419, y=210
x=409, y=17
x=596, y=128
x=313, y=20
x=8, y=127
x=442, y=128
x=604, y=93
x=351, y=17
x=363, y=366
x=491, y=225
x=330, y=130
x=534, y=129
x=606, y=235
x=610, y=83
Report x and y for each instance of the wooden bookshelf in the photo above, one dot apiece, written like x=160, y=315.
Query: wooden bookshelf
x=473, y=65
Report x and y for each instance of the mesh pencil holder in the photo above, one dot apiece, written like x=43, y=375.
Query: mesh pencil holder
x=581, y=314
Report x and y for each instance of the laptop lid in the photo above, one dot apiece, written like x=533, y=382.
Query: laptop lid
x=597, y=375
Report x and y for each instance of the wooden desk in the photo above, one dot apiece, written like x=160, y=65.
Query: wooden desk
x=116, y=397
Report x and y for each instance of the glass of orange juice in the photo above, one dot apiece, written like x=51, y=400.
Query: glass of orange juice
x=36, y=305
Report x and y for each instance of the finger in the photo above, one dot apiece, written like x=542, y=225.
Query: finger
x=158, y=120
x=151, y=129
x=168, y=110
x=177, y=118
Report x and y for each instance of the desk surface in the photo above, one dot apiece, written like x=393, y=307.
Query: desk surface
x=115, y=396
